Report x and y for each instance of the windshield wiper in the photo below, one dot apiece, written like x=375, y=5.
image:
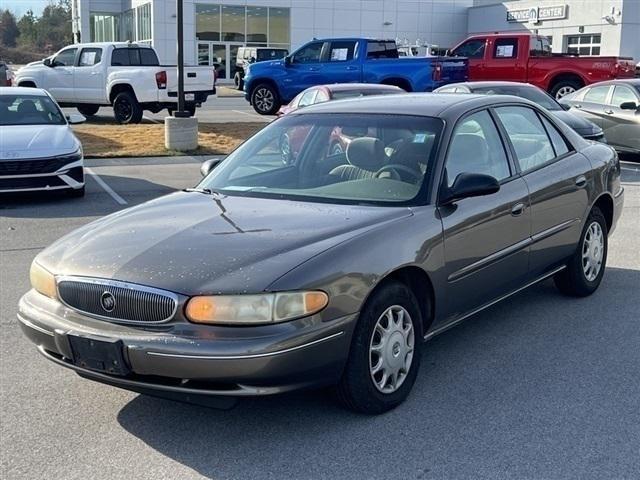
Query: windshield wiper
x=206, y=191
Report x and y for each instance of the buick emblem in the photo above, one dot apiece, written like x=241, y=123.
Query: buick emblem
x=108, y=302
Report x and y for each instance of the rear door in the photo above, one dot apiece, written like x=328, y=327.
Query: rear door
x=59, y=78
x=341, y=64
x=88, y=77
x=506, y=60
x=474, y=50
x=557, y=177
x=485, y=238
x=622, y=127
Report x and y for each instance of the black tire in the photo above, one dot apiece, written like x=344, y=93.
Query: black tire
x=126, y=108
x=357, y=390
x=564, y=87
x=88, y=110
x=265, y=99
x=573, y=280
x=76, y=193
x=238, y=81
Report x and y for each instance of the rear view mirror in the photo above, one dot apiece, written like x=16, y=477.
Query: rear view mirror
x=75, y=118
x=628, y=106
x=208, y=165
x=469, y=185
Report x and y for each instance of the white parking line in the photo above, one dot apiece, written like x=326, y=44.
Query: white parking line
x=106, y=187
x=264, y=119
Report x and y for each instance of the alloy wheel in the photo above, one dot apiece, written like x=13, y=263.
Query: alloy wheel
x=592, y=251
x=391, y=349
x=263, y=99
x=566, y=90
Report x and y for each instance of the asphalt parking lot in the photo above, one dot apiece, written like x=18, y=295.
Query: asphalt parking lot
x=537, y=387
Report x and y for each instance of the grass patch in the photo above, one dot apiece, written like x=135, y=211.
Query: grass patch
x=108, y=141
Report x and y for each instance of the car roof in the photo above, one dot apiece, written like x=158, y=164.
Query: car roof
x=419, y=104
x=626, y=81
x=488, y=84
x=26, y=91
x=344, y=87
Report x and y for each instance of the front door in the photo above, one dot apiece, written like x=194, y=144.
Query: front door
x=88, y=77
x=557, y=178
x=305, y=70
x=485, y=238
x=59, y=78
x=474, y=50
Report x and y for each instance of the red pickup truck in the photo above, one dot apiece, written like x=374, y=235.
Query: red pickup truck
x=522, y=57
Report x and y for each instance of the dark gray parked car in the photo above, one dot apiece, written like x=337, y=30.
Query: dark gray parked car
x=615, y=107
x=584, y=127
x=281, y=272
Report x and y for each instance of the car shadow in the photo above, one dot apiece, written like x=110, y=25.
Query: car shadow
x=507, y=387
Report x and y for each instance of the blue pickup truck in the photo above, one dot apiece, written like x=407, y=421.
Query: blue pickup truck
x=270, y=84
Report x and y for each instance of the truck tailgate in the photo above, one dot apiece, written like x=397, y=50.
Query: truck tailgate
x=453, y=69
x=196, y=79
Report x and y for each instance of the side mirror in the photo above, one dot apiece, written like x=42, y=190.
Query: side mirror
x=565, y=106
x=252, y=60
x=469, y=185
x=287, y=61
x=208, y=165
x=75, y=118
x=47, y=63
x=628, y=106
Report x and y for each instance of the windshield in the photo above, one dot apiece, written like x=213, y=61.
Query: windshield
x=338, y=158
x=29, y=110
x=530, y=93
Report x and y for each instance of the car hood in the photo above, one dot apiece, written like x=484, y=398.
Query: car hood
x=192, y=243
x=36, y=141
x=579, y=124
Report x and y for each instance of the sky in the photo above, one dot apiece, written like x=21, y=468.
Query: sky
x=19, y=7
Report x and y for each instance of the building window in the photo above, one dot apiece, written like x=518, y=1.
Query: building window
x=583, y=44
x=208, y=22
x=128, y=25
x=257, y=25
x=279, y=21
x=104, y=27
x=233, y=24
x=143, y=14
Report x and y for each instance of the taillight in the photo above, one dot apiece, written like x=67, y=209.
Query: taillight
x=437, y=72
x=161, y=80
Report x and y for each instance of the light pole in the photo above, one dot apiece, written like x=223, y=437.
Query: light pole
x=180, y=112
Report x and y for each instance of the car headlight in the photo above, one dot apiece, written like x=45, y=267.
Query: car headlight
x=42, y=280
x=254, y=309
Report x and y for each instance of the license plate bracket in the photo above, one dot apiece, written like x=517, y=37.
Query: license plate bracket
x=101, y=355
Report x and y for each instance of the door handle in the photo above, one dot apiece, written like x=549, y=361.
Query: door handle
x=314, y=69
x=581, y=181
x=609, y=112
x=517, y=209
x=352, y=67
x=577, y=106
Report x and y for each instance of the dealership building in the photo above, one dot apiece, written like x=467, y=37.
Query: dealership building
x=215, y=29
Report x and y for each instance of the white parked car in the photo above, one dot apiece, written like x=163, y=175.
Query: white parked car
x=127, y=76
x=38, y=149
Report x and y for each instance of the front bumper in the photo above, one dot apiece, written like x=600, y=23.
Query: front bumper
x=197, y=360
x=70, y=176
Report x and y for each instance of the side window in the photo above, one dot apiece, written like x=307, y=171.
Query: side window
x=309, y=54
x=527, y=135
x=559, y=143
x=90, y=57
x=65, y=58
x=376, y=50
x=308, y=98
x=322, y=97
x=120, y=57
x=597, y=94
x=506, y=48
x=471, y=48
x=148, y=57
x=476, y=148
x=342, y=51
x=622, y=94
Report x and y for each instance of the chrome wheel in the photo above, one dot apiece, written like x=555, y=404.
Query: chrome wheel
x=263, y=99
x=592, y=251
x=566, y=90
x=391, y=349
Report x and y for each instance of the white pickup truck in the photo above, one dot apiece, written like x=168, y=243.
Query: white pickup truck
x=127, y=76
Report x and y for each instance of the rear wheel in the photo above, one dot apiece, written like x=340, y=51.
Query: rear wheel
x=126, y=109
x=265, y=99
x=385, y=352
x=88, y=110
x=238, y=81
x=565, y=87
x=586, y=267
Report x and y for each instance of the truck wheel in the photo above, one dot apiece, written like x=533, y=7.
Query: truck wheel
x=126, y=109
x=88, y=110
x=265, y=99
x=238, y=81
x=564, y=87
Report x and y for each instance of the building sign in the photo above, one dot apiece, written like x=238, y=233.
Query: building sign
x=537, y=14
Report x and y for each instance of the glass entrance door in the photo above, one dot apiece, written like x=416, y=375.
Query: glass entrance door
x=222, y=56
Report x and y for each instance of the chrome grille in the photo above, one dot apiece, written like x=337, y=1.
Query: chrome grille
x=131, y=303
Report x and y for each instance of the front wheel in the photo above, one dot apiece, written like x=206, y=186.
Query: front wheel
x=586, y=267
x=385, y=352
x=265, y=99
x=126, y=109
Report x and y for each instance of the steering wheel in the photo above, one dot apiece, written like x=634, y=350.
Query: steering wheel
x=396, y=169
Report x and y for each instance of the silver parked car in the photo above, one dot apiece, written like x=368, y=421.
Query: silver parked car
x=329, y=268
x=615, y=107
x=38, y=149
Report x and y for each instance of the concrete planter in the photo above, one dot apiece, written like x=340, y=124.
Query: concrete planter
x=181, y=134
